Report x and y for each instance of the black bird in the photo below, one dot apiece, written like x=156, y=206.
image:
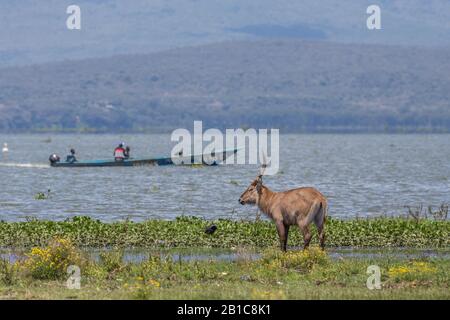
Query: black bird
x=211, y=229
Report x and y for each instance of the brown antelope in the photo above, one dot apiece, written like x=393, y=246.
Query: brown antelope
x=299, y=207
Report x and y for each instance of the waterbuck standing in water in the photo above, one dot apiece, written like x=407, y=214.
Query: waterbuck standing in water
x=299, y=207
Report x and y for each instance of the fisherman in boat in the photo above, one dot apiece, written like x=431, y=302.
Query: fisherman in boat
x=120, y=152
x=127, y=152
x=71, y=157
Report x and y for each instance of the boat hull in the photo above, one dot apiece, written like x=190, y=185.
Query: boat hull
x=158, y=161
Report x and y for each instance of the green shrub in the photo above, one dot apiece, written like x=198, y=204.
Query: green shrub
x=112, y=261
x=303, y=260
x=8, y=272
x=51, y=262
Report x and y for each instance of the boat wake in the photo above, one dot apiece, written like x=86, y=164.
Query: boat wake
x=24, y=165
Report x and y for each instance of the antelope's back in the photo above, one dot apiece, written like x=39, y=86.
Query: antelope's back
x=308, y=195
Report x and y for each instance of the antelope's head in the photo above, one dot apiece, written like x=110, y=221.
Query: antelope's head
x=253, y=192
x=251, y=195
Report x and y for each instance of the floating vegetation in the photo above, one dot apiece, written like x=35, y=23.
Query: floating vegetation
x=42, y=196
x=190, y=232
x=154, y=189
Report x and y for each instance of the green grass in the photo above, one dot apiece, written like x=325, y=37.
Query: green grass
x=189, y=232
x=295, y=275
x=310, y=274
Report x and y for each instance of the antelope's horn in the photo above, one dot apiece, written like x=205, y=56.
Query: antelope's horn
x=263, y=165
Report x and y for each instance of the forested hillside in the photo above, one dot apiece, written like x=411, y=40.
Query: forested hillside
x=290, y=84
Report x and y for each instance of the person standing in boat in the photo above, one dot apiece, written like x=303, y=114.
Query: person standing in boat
x=71, y=157
x=119, y=152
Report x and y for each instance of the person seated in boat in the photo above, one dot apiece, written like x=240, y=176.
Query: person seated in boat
x=119, y=152
x=71, y=157
x=127, y=152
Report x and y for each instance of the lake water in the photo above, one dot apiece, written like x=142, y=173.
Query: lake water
x=362, y=175
x=138, y=255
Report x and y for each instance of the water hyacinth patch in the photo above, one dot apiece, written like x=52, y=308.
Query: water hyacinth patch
x=189, y=232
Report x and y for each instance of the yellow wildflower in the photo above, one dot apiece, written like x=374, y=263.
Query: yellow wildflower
x=154, y=283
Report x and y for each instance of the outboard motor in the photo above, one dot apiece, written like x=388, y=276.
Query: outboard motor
x=54, y=158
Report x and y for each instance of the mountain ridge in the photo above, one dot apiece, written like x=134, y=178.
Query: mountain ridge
x=294, y=85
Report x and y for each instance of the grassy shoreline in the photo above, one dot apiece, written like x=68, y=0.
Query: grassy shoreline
x=309, y=274
x=189, y=232
x=48, y=248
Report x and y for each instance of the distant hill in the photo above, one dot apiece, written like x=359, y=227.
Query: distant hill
x=34, y=31
x=289, y=84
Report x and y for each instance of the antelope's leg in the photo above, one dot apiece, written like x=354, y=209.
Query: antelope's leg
x=320, y=224
x=282, y=234
x=286, y=228
x=321, y=231
x=306, y=234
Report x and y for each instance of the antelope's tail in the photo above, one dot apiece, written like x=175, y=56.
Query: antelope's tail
x=324, y=207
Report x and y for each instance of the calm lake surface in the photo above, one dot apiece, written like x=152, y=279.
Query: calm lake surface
x=362, y=175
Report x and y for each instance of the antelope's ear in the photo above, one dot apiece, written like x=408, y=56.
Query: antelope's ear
x=259, y=185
